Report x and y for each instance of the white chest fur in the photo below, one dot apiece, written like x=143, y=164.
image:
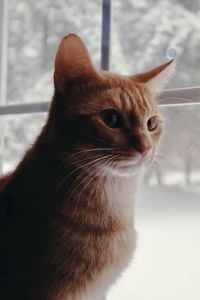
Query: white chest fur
x=120, y=194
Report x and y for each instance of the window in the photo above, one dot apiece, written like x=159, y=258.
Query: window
x=33, y=31
x=166, y=264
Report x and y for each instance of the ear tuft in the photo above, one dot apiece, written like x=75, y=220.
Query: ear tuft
x=158, y=77
x=72, y=61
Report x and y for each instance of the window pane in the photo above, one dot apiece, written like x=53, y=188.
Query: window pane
x=35, y=30
x=144, y=30
x=166, y=264
x=20, y=132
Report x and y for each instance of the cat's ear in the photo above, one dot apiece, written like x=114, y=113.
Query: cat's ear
x=156, y=78
x=72, y=61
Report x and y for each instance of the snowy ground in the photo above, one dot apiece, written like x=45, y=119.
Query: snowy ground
x=166, y=265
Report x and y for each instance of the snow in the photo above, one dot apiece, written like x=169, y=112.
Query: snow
x=166, y=264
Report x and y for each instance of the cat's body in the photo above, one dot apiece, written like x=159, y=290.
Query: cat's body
x=111, y=233
x=66, y=212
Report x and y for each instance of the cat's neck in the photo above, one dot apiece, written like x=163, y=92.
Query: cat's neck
x=121, y=194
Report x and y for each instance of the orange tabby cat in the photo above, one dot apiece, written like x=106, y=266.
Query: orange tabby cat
x=66, y=212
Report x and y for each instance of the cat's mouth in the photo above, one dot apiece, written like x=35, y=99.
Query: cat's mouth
x=127, y=167
x=130, y=163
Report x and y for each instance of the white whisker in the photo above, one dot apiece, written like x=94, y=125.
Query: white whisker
x=91, y=150
x=161, y=163
x=98, y=173
x=81, y=167
x=65, y=161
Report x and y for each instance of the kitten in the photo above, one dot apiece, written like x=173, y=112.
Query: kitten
x=66, y=212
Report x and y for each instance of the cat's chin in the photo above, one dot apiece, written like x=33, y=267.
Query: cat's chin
x=124, y=171
x=129, y=168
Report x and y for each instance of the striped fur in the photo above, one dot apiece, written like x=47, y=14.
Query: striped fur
x=67, y=211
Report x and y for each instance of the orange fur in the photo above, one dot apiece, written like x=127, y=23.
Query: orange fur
x=70, y=224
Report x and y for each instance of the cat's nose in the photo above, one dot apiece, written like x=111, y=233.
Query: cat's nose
x=141, y=143
x=143, y=147
x=143, y=150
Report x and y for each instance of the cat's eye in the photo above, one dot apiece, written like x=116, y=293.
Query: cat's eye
x=152, y=124
x=112, y=118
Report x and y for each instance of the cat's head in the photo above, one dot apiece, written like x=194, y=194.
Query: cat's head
x=106, y=121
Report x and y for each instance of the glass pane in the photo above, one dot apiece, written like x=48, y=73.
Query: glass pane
x=20, y=132
x=144, y=30
x=35, y=30
x=166, y=264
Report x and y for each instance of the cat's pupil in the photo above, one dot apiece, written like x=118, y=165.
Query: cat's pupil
x=152, y=124
x=112, y=118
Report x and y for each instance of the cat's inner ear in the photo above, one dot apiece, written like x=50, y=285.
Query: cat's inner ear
x=156, y=78
x=72, y=61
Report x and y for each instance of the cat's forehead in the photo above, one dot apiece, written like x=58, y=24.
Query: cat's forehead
x=114, y=92
x=128, y=96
